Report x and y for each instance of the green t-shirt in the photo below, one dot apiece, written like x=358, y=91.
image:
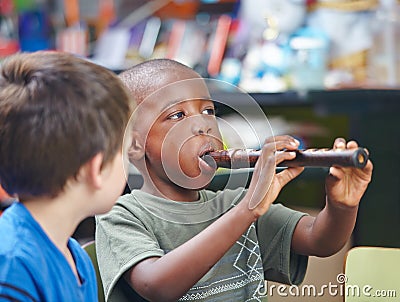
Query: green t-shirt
x=141, y=225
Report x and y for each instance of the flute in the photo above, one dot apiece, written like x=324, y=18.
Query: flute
x=247, y=158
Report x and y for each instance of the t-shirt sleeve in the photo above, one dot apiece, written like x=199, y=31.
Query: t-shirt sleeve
x=275, y=231
x=122, y=240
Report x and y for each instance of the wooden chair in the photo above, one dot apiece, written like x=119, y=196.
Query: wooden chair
x=372, y=275
x=90, y=248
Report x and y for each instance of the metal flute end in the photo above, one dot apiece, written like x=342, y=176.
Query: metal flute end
x=361, y=157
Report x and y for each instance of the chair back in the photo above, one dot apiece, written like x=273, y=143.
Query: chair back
x=90, y=248
x=372, y=275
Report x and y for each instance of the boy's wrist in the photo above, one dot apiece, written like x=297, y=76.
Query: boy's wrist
x=341, y=206
x=246, y=213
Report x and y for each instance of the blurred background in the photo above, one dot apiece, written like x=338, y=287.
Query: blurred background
x=317, y=69
x=259, y=45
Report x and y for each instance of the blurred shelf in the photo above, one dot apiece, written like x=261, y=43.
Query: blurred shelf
x=288, y=98
x=340, y=100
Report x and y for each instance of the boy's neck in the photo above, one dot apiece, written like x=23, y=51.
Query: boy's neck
x=57, y=216
x=58, y=221
x=174, y=193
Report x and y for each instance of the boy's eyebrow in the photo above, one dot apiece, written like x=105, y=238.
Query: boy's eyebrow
x=185, y=100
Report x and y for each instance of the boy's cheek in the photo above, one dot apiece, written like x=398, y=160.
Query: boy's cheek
x=177, y=136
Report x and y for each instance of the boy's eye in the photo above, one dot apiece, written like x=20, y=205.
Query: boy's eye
x=176, y=115
x=209, y=111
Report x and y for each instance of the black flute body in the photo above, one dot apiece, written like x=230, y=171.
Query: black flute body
x=247, y=158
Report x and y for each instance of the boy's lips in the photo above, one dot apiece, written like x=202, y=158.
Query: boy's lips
x=208, y=146
x=204, y=151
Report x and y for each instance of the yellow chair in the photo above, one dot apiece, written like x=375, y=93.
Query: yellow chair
x=372, y=275
x=90, y=248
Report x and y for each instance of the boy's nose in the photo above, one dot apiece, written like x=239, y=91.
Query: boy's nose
x=200, y=127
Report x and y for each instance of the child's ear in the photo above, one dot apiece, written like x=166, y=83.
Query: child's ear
x=91, y=171
x=136, y=149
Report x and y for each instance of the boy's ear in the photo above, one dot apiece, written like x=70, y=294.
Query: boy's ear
x=136, y=149
x=91, y=171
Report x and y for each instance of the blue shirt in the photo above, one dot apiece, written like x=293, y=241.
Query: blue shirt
x=32, y=268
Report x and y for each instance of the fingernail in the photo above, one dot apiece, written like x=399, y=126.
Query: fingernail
x=295, y=143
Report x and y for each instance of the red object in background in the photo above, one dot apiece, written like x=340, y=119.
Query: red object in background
x=6, y=7
x=8, y=47
x=8, y=30
x=180, y=10
x=219, y=44
x=311, y=2
x=3, y=194
x=3, y=197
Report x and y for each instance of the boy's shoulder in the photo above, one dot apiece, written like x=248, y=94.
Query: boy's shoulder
x=22, y=236
x=22, y=245
x=127, y=204
x=14, y=229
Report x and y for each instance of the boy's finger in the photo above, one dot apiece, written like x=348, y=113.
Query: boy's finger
x=335, y=173
x=286, y=144
x=288, y=174
x=281, y=156
x=352, y=145
x=278, y=138
x=340, y=143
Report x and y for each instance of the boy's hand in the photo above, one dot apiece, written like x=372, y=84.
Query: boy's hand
x=266, y=184
x=344, y=185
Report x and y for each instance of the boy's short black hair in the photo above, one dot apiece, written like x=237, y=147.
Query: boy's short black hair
x=56, y=112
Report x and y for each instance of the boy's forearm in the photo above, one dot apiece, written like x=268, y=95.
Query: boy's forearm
x=171, y=276
x=327, y=233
